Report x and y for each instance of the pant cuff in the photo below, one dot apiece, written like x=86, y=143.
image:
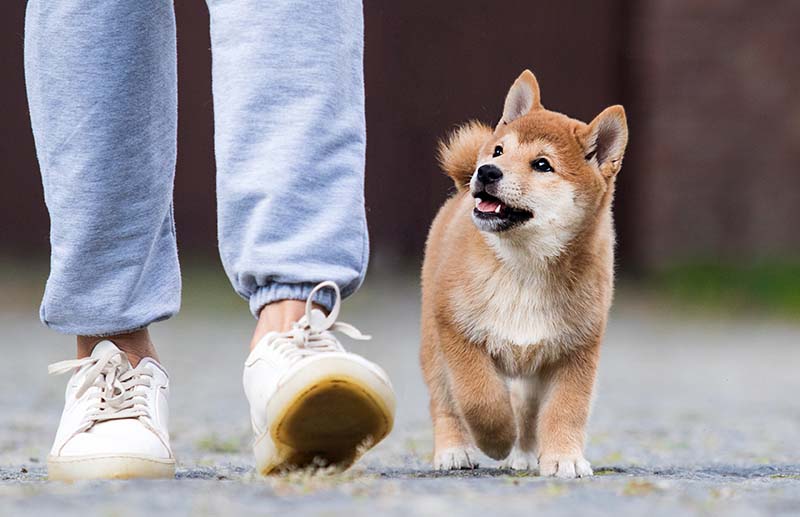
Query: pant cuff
x=112, y=328
x=275, y=292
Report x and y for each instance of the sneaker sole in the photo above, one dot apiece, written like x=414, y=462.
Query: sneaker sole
x=326, y=421
x=109, y=467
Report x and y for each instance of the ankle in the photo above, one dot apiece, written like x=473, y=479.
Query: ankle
x=136, y=345
x=279, y=317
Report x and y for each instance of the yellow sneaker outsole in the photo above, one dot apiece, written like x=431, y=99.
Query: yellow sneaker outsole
x=329, y=422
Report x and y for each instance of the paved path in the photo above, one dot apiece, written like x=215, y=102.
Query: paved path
x=693, y=416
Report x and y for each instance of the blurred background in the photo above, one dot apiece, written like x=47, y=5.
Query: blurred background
x=708, y=202
x=700, y=363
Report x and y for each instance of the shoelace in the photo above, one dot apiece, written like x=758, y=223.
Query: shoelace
x=117, y=396
x=312, y=334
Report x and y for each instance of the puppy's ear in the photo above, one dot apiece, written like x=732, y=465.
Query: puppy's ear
x=522, y=98
x=605, y=138
x=458, y=153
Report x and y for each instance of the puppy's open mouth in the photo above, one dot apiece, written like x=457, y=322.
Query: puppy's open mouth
x=492, y=210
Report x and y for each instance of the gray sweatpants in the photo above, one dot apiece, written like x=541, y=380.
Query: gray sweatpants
x=289, y=140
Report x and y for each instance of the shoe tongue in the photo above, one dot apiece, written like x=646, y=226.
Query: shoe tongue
x=103, y=348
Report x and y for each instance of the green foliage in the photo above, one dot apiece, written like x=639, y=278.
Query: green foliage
x=768, y=285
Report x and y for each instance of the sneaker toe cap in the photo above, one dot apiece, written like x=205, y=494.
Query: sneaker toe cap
x=116, y=437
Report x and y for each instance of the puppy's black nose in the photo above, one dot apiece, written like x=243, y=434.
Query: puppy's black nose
x=489, y=174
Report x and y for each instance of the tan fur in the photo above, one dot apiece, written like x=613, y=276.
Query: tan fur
x=456, y=154
x=526, y=307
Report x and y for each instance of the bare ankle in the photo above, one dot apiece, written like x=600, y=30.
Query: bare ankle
x=136, y=345
x=279, y=317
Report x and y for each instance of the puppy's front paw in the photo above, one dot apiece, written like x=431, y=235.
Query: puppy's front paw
x=520, y=460
x=453, y=458
x=564, y=466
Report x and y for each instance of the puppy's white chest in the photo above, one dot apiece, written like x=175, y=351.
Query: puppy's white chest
x=507, y=309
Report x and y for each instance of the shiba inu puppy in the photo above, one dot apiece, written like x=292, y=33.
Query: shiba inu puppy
x=517, y=283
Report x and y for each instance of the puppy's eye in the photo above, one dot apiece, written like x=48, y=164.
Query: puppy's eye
x=541, y=165
x=498, y=150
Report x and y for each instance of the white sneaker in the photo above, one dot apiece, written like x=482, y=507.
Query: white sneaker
x=312, y=402
x=114, y=424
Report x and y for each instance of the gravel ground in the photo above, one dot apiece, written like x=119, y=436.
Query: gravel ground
x=694, y=415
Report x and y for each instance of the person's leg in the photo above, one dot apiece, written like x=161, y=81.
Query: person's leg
x=290, y=140
x=278, y=316
x=102, y=89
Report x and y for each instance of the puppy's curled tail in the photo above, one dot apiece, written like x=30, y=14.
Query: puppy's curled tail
x=458, y=153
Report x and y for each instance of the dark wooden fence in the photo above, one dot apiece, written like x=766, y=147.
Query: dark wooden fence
x=710, y=91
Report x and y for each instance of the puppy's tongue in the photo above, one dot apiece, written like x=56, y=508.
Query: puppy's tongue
x=488, y=206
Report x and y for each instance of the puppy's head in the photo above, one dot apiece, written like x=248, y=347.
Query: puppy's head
x=540, y=174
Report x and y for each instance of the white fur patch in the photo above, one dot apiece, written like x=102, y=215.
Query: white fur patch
x=510, y=307
x=519, y=101
x=556, y=219
x=520, y=460
x=565, y=467
x=454, y=458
